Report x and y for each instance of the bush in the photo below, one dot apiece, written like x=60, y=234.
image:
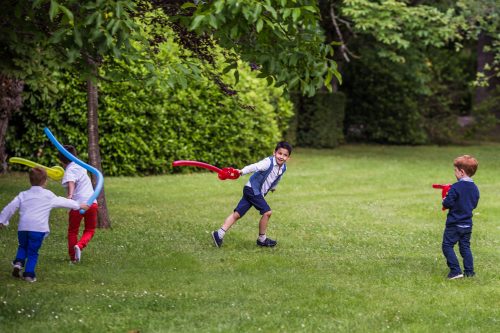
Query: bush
x=143, y=128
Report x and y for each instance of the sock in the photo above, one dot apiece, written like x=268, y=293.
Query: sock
x=262, y=237
x=221, y=232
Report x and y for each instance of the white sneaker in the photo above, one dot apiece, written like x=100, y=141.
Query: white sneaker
x=457, y=276
x=29, y=279
x=78, y=253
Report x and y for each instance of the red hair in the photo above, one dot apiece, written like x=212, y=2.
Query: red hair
x=466, y=163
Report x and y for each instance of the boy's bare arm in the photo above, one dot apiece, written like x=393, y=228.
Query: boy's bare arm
x=71, y=189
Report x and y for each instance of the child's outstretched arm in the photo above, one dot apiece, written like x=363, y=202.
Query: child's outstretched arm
x=60, y=202
x=259, y=166
x=9, y=210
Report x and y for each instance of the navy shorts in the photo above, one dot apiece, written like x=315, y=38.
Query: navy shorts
x=249, y=199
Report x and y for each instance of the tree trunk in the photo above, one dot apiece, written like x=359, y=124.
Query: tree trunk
x=10, y=101
x=484, y=58
x=93, y=135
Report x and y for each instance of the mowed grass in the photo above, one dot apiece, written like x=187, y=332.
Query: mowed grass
x=359, y=250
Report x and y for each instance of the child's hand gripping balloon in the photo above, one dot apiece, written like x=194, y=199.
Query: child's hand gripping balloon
x=444, y=190
x=229, y=173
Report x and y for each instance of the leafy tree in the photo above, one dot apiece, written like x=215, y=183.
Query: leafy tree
x=25, y=57
x=483, y=25
x=393, y=49
x=80, y=35
x=280, y=38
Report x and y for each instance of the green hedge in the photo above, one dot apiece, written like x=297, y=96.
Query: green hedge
x=142, y=129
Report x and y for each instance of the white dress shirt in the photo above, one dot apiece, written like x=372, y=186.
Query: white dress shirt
x=34, y=207
x=83, y=185
x=262, y=166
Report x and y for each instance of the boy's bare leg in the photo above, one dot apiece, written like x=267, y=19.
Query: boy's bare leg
x=230, y=220
x=218, y=235
x=263, y=222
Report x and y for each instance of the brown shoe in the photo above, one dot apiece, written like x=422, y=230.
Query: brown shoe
x=16, y=271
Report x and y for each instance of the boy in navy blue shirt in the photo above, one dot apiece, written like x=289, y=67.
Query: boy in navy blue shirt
x=267, y=174
x=461, y=200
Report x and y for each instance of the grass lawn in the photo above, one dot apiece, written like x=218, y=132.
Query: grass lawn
x=359, y=250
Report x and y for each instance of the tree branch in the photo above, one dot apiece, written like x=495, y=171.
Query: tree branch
x=343, y=47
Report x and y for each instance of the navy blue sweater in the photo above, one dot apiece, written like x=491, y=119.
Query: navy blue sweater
x=461, y=200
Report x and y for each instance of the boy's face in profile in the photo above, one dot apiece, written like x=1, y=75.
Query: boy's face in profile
x=281, y=155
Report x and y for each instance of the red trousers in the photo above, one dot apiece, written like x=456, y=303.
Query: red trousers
x=75, y=218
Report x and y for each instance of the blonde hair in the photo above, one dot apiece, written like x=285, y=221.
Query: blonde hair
x=38, y=176
x=466, y=163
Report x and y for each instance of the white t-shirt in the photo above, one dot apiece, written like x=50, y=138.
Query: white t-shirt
x=34, y=207
x=83, y=185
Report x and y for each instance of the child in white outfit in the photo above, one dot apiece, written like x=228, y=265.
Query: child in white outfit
x=34, y=207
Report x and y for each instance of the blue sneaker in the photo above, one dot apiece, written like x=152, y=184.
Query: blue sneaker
x=217, y=239
x=268, y=242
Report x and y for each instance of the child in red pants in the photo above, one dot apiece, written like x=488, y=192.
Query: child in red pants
x=79, y=188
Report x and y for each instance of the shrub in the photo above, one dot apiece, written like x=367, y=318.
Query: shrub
x=143, y=128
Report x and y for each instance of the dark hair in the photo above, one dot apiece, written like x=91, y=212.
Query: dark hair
x=38, y=176
x=63, y=158
x=285, y=145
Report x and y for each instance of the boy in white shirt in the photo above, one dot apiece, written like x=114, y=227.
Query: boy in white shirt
x=34, y=207
x=79, y=188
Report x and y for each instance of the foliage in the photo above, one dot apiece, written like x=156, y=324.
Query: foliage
x=450, y=72
x=411, y=103
x=280, y=38
x=397, y=27
x=40, y=37
x=25, y=52
x=382, y=100
x=411, y=81
x=90, y=29
x=318, y=120
x=482, y=16
x=359, y=231
x=145, y=127
x=485, y=122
